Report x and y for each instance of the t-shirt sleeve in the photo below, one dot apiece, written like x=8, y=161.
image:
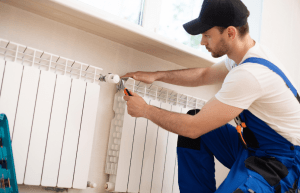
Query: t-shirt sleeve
x=240, y=89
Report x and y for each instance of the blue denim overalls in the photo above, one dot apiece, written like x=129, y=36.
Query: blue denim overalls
x=269, y=164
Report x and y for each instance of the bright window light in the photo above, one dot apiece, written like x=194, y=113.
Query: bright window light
x=175, y=13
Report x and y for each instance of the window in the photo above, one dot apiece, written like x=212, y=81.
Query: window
x=174, y=13
x=254, y=20
x=131, y=10
x=166, y=17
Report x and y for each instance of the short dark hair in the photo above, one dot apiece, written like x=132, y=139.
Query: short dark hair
x=243, y=30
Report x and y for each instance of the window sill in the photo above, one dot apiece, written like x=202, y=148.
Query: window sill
x=100, y=23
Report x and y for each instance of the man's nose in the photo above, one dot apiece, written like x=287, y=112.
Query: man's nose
x=203, y=42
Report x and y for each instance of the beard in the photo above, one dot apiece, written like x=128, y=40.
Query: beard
x=221, y=49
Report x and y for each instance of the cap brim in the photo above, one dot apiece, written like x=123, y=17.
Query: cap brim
x=195, y=27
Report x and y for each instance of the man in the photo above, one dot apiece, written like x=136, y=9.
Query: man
x=265, y=158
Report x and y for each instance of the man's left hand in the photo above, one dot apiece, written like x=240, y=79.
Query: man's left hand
x=136, y=105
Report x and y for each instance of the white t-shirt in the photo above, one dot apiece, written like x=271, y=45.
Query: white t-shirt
x=264, y=93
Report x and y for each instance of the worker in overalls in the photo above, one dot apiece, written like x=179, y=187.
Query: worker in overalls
x=262, y=152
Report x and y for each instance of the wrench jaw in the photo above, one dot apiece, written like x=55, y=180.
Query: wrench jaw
x=121, y=85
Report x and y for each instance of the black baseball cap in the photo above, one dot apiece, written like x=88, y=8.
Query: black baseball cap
x=221, y=13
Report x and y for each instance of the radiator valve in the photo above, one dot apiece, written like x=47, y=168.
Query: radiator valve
x=110, y=78
x=109, y=186
x=91, y=184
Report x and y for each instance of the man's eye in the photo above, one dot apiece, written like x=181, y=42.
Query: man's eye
x=207, y=36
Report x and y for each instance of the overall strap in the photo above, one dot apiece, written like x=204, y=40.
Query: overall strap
x=275, y=69
x=248, y=137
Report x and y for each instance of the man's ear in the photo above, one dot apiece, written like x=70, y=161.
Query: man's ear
x=231, y=32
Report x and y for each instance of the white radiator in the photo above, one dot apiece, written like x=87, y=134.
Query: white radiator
x=141, y=157
x=51, y=105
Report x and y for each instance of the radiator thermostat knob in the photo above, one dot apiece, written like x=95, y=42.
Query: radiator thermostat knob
x=112, y=78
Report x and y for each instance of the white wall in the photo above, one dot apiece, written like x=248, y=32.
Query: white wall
x=280, y=33
x=34, y=31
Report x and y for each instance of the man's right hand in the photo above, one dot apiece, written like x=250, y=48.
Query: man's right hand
x=146, y=77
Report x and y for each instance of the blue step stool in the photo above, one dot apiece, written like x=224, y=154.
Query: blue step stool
x=8, y=181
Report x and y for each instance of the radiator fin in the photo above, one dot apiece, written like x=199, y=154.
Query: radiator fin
x=170, y=158
x=40, y=128
x=10, y=91
x=70, y=142
x=137, y=153
x=86, y=138
x=24, y=119
x=56, y=131
x=149, y=154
